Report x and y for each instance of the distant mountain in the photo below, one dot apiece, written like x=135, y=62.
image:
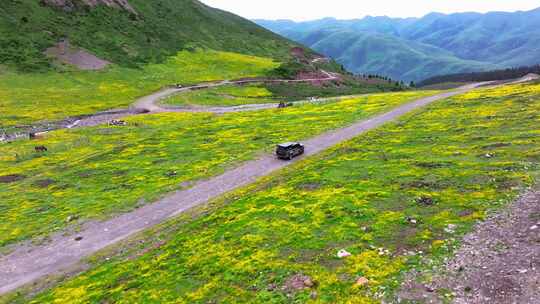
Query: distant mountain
x=418, y=48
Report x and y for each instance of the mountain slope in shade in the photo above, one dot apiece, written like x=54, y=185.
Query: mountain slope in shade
x=413, y=49
x=373, y=53
x=488, y=37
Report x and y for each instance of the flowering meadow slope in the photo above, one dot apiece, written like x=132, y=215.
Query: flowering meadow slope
x=90, y=173
x=27, y=98
x=390, y=197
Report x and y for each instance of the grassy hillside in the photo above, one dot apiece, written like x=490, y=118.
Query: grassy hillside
x=151, y=45
x=158, y=30
x=27, y=98
x=30, y=98
x=430, y=167
x=92, y=173
x=156, y=44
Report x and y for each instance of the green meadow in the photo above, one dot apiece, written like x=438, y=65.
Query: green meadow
x=445, y=167
x=223, y=96
x=93, y=173
x=27, y=98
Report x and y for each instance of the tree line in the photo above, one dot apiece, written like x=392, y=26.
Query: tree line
x=505, y=74
x=388, y=79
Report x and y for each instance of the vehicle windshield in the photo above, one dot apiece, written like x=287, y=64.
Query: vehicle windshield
x=287, y=145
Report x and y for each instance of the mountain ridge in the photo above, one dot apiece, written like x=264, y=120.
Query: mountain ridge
x=474, y=41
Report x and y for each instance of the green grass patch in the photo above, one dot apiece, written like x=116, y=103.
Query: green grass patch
x=223, y=96
x=357, y=196
x=94, y=172
x=347, y=86
x=30, y=98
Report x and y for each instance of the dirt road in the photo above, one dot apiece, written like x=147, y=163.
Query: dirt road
x=26, y=264
x=151, y=103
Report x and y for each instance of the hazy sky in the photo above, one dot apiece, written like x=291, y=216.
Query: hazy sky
x=349, y=9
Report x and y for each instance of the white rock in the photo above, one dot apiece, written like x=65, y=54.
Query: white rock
x=343, y=254
x=451, y=228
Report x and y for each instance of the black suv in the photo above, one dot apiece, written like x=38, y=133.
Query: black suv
x=289, y=150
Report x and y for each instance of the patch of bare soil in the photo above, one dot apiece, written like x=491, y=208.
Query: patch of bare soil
x=498, y=263
x=299, y=53
x=315, y=78
x=66, y=5
x=65, y=53
x=69, y=5
x=123, y=4
x=6, y=179
x=311, y=75
x=297, y=283
x=44, y=183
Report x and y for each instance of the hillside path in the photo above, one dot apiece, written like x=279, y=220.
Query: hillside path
x=151, y=104
x=29, y=263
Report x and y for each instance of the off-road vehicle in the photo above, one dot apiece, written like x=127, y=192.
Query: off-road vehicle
x=289, y=150
x=283, y=105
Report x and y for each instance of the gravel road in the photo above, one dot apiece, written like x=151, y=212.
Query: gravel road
x=498, y=263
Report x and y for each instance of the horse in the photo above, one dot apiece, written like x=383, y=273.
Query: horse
x=41, y=149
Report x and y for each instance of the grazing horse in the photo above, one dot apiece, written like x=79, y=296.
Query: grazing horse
x=41, y=149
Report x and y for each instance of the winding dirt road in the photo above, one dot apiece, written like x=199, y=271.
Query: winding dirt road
x=27, y=264
x=151, y=103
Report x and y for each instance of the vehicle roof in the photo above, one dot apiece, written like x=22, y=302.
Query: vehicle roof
x=288, y=144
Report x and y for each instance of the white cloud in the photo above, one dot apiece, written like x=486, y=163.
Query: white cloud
x=349, y=9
